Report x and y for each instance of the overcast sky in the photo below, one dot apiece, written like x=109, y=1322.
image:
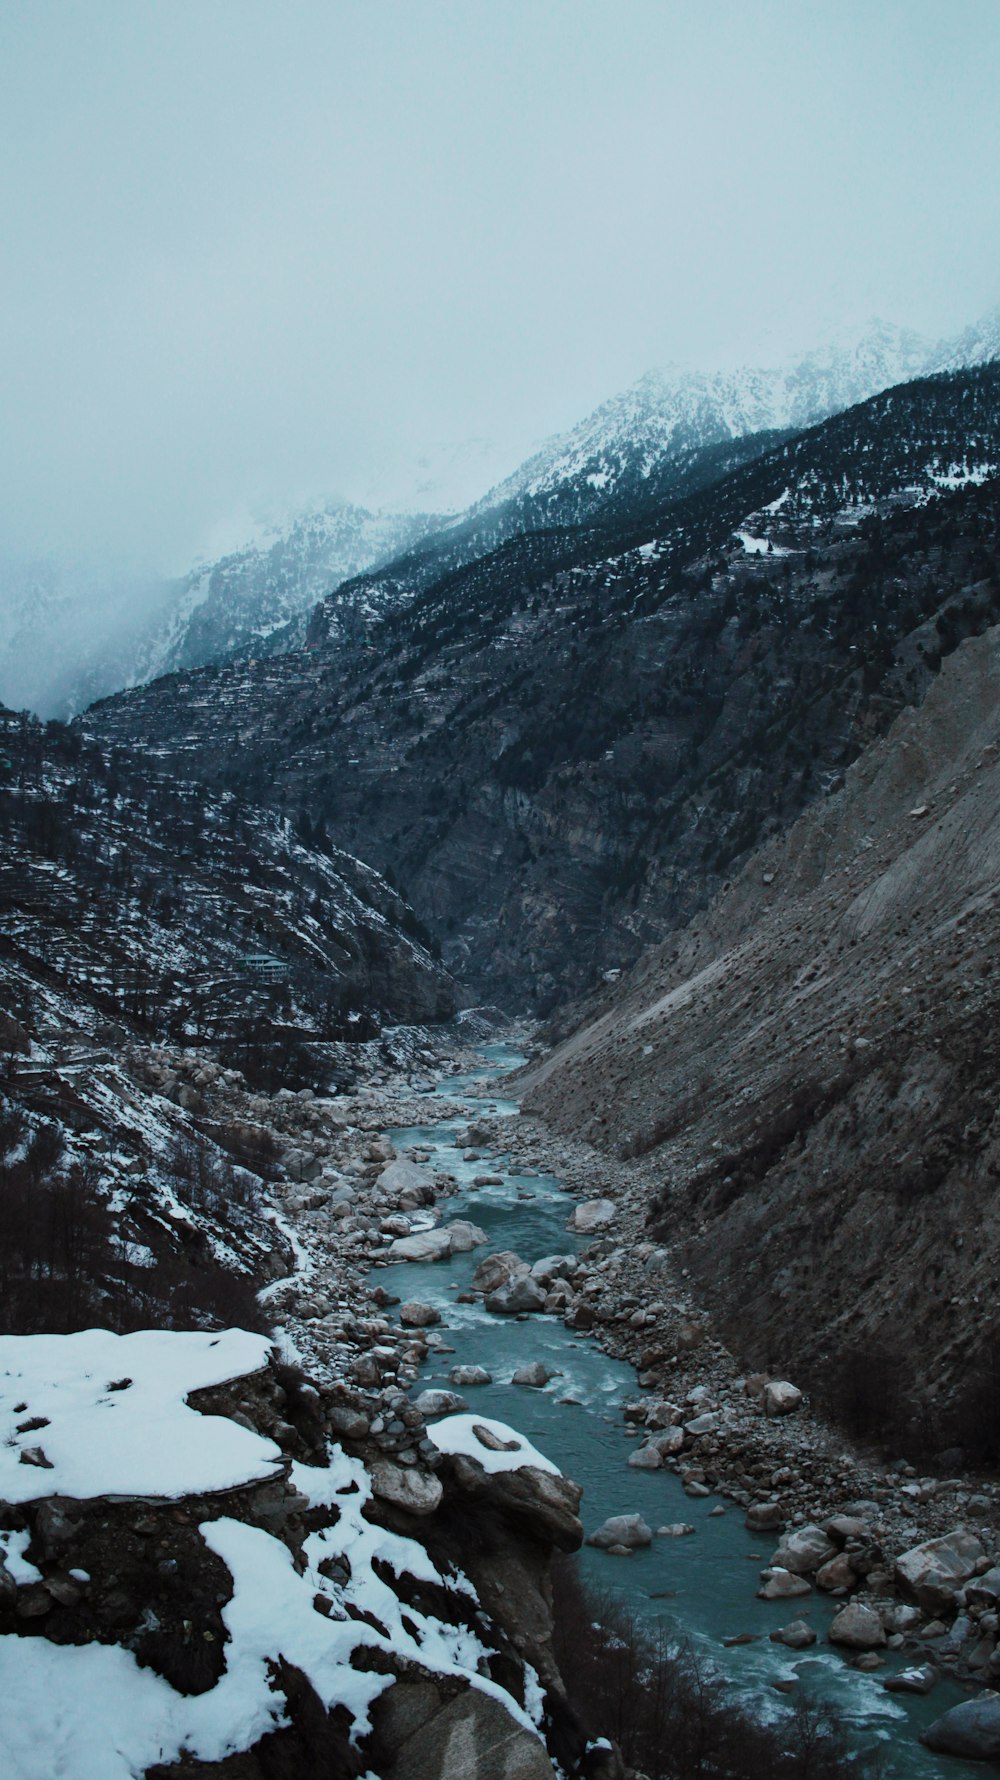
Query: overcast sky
x=253, y=253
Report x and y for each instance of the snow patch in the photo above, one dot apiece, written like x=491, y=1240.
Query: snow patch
x=12, y=1549
x=457, y=1434
x=114, y=1417
x=761, y=546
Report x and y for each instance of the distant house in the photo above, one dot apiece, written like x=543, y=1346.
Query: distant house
x=263, y=965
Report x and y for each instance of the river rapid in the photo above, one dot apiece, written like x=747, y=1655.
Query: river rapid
x=700, y=1587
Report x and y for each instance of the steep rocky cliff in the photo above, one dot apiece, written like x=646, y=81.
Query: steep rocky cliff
x=245, y=1594
x=807, y=1076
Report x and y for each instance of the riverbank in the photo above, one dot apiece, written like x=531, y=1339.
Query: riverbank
x=617, y=1295
x=785, y=1470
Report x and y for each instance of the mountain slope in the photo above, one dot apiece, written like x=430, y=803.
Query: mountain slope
x=666, y=435
x=68, y=638
x=68, y=644
x=139, y=912
x=133, y=890
x=672, y=410
x=807, y=1076
x=236, y=605
x=563, y=746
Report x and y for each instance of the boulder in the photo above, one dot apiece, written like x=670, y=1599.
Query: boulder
x=838, y=1573
x=544, y=1503
x=667, y=1443
x=709, y=1423
x=494, y=1271
x=416, y=1492
x=841, y=1527
x=592, y=1215
x=662, y=1414
x=764, y=1517
x=677, y=1529
x=431, y=1403
x=520, y=1294
x=984, y=1591
x=428, y=1733
x=414, y=1315
x=57, y=1524
x=552, y=1267
x=645, y=1458
x=346, y=1420
x=798, y=1634
x=404, y=1177
x=971, y=1729
x=397, y=1225
x=534, y=1374
x=424, y=1245
x=781, y=1585
x=857, y=1627
x=803, y=1550
x=700, y=1397
x=629, y=1530
x=918, y=1680
x=780, y=1397
x=469, y=1375
x=465, y=1236
x=931, y=1574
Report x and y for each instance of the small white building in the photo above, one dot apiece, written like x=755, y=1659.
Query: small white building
x=265, y=966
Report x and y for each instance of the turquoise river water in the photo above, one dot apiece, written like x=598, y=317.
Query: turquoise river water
x=699, y=1587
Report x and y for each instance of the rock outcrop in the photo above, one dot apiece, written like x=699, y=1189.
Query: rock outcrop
x=359, y=1612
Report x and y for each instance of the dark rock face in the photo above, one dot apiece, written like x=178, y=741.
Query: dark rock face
x=811, y=1071
x=143, y=1573
x=470, y=1734
x=563, y=745
x=971, y=1729
x=542, y=1503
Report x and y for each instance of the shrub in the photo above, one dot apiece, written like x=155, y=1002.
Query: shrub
x=666, y=1709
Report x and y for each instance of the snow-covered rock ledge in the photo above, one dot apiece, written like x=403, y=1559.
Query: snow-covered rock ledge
x=180, y=1585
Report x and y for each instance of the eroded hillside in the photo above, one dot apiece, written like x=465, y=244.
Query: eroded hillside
x=807, y=1079
x=169, y=961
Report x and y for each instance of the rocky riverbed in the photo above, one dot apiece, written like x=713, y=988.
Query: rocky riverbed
x=913, y=1559
x=841, y=1520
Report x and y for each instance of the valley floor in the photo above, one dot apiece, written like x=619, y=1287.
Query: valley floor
x=787, y=1470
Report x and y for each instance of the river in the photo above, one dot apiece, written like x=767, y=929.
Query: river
x=700, y=1587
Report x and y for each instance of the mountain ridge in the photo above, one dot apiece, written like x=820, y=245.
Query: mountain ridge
x=559, y=746
x=257, y=598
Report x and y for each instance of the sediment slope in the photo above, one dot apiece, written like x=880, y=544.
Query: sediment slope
x=809, y=1075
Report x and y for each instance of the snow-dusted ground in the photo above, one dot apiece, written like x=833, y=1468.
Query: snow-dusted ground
x=98, y=1414
x=91, y=1712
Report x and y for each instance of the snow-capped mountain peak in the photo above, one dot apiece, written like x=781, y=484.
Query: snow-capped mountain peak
x=672, y=409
